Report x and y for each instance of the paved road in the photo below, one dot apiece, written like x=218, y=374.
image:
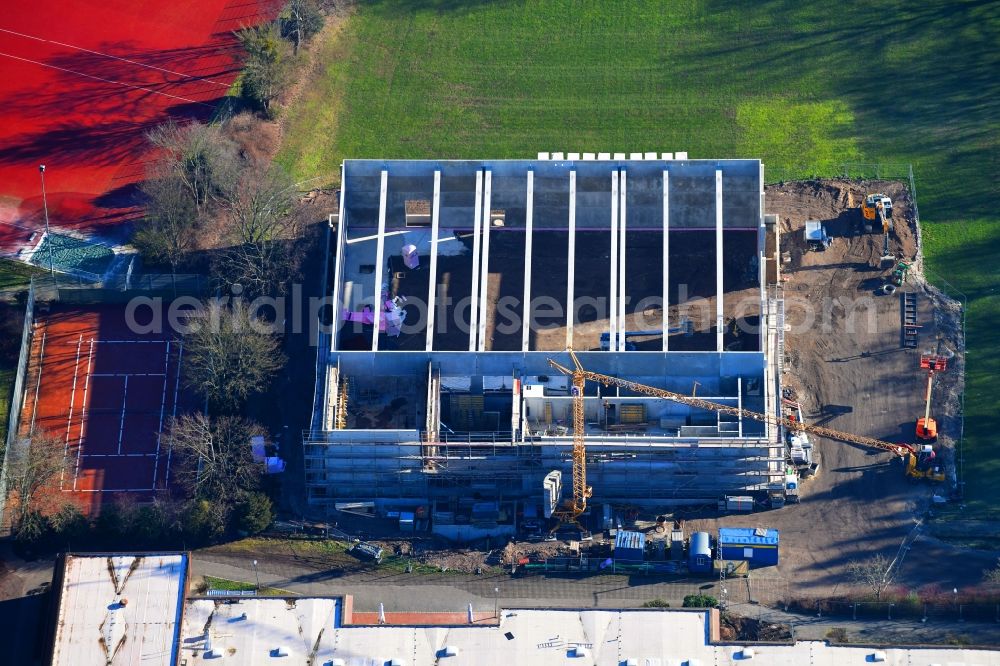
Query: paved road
x=453, y=592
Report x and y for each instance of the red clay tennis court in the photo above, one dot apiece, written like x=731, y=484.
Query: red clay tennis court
x=80, y=85
x=107, y=393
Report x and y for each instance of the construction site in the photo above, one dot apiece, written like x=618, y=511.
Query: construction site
x=581, y=338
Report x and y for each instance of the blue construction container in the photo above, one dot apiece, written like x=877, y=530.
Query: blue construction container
x=700, y=553
x=758, y=546
x=630, y=546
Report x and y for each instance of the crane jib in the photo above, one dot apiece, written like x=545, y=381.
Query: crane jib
x=607, y=380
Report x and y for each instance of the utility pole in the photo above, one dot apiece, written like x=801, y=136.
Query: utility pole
x=45, y=206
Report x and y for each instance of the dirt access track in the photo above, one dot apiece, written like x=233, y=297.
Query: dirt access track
x=845, y=360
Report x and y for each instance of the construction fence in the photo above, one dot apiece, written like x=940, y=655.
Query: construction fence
x=847, y=170
x=909, y=608
x=16, y=400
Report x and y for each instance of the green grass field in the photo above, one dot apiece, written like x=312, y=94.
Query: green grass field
x=805, y=86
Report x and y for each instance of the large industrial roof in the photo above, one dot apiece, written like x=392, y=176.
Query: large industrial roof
x=120, y=610
x=692, y=191
x=304, y=631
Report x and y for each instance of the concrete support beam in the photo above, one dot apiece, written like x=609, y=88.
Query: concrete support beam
x=529, y=214
x=719, y=317
x=613, y=318
x=571, y=259
x=484, y=274
x=338, y=270
x=666, y=259
x=762, y=263
x=379, y=258
x=621, y=265
x=739, y=405
x=432, y=278
x=476, y=226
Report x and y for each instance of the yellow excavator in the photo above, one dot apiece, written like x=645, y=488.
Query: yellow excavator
x=920, y=461
x=879, y=207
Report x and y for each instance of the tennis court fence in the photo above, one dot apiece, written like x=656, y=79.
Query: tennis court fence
x=16, y=401
x=120, y=288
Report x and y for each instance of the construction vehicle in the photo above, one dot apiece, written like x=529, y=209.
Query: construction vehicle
x=815, y=236
x=803, y=457
x=898, y=276
x=926, y=426
x=922, y=464
x=914, y=463
x=876, y=207
x=686, y=328
x=879, y=207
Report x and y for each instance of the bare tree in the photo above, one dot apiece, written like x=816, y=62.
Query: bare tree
x=200, y=157
x=875, y=572
x=264, y=71
x=992, y=576
x=34, y=463
x=300, y=21
x=216, y=461
x=261, y=230
x=168, y=231
x=230, y=355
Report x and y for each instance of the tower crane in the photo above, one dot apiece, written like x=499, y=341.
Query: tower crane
x=917, y=458
x=570, y=511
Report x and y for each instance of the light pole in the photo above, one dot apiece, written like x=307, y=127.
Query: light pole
x=45, y=206
x=255, y=573
x=496, y=602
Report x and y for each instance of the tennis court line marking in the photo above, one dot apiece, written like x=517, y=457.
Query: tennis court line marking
x=113, y=490
x=128, y=374
x=111, y=81
x=177, y=385
x=108, y=55
x=83, y=414
x=121, y=425
x=72, y=400
x=163, y=409
x=38, y=382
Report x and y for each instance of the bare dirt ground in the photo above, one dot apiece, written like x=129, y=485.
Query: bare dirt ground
x=846, y=362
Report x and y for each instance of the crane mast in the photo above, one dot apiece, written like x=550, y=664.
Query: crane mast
x=571, y=512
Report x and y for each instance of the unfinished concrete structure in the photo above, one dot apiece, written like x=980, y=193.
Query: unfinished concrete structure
x=455, y=281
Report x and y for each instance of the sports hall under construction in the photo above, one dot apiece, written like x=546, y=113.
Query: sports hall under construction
x=458, y=283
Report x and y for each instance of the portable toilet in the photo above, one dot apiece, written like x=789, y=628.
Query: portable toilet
x=411, y=258
x=700, y=553
x=758, y=546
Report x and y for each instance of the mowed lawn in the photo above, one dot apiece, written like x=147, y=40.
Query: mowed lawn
x=806, y=86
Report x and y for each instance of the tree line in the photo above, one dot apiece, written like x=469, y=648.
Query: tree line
x=201, y=184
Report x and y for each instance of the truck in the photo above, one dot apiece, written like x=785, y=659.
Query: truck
x=816, y=236
x=802, y=458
